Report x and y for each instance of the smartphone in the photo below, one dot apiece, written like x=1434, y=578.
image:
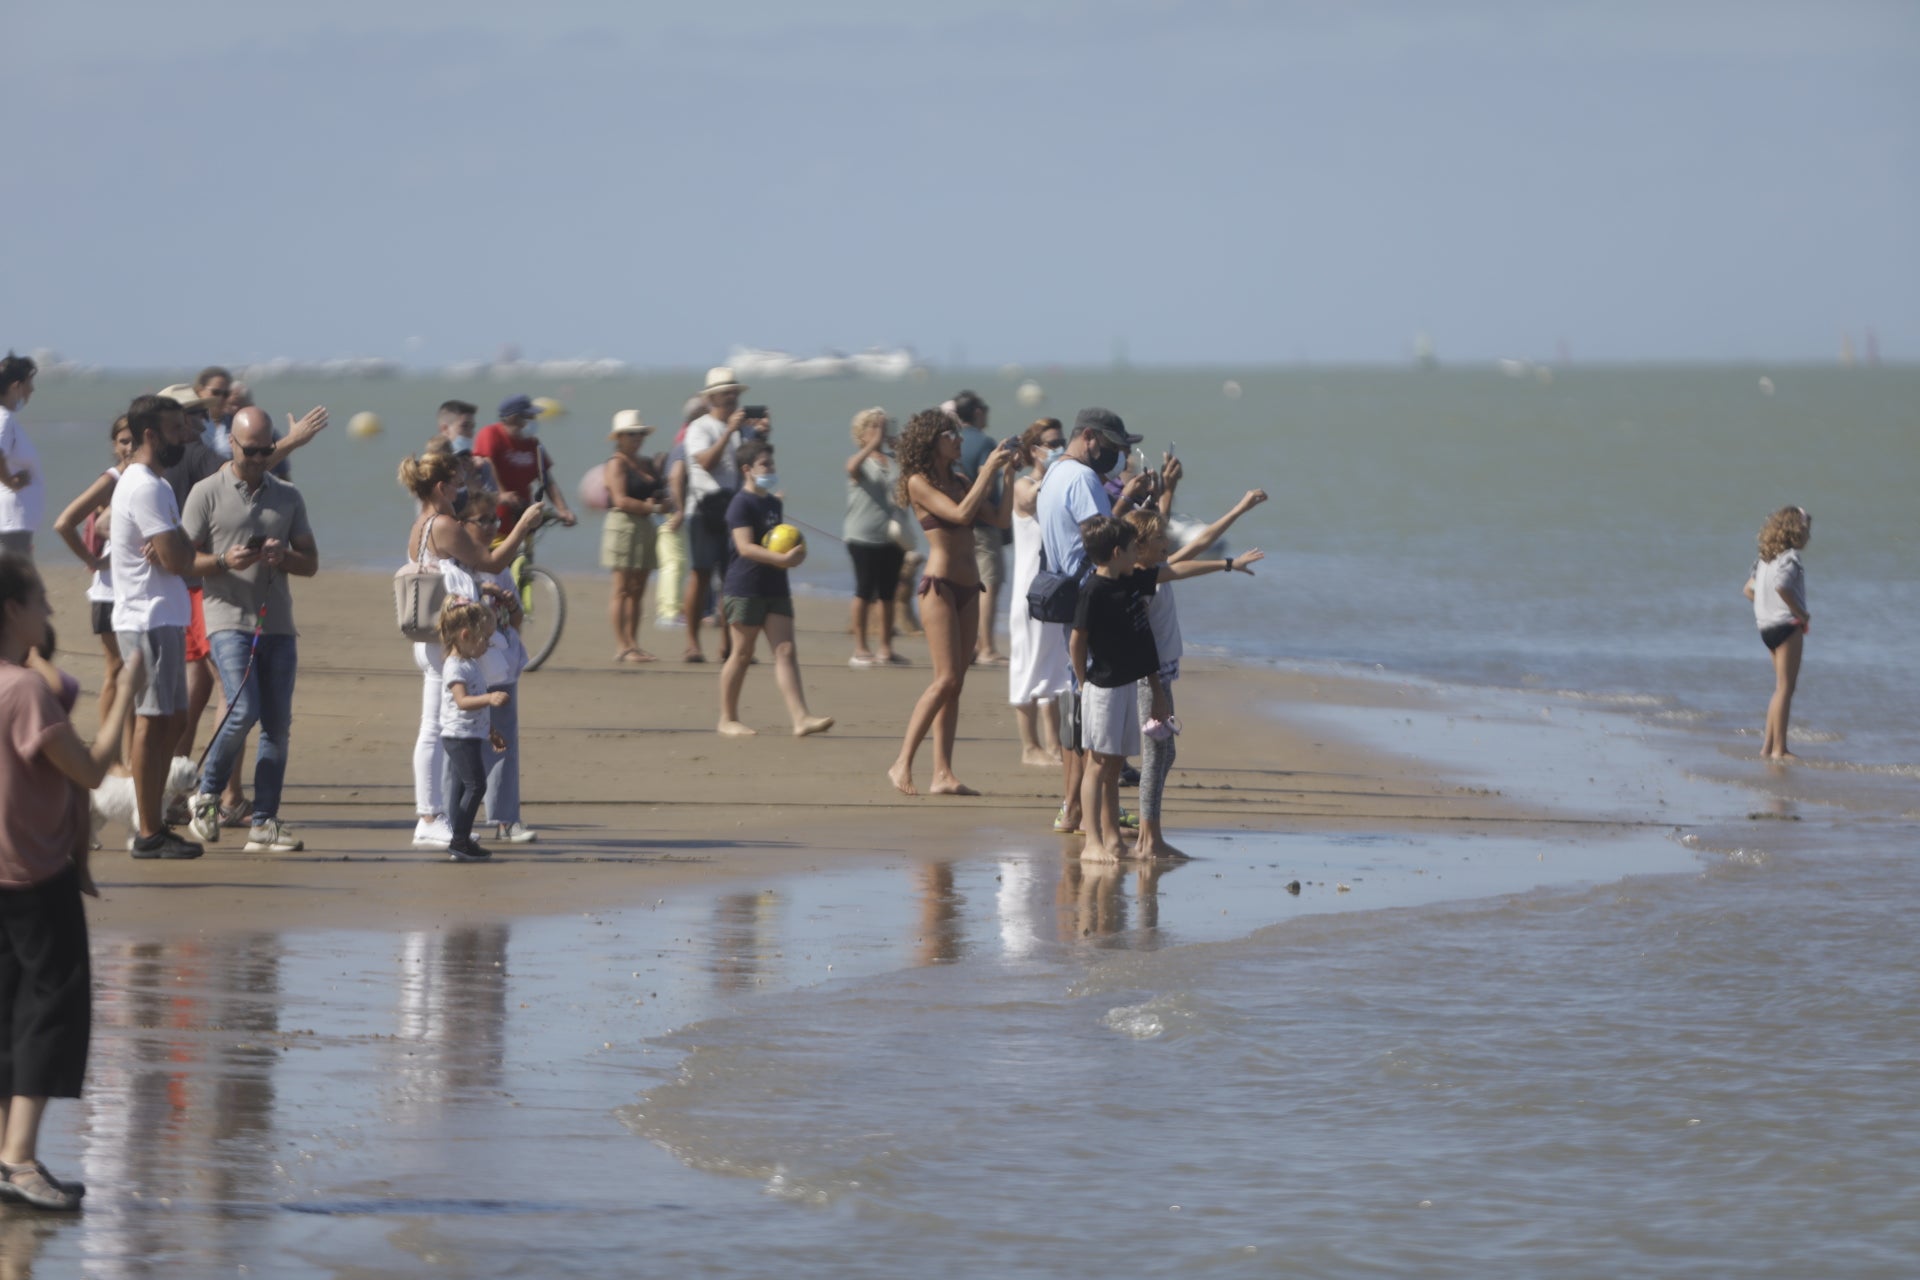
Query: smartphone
x=755, y=412
x=256, y=542
x=1170, y=453
x=1009, y=444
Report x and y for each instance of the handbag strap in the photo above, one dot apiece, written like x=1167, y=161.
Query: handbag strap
x=426, y=540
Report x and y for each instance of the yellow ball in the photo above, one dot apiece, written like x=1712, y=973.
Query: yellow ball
x=364, y=425
x=782, y=537
x=549, y=407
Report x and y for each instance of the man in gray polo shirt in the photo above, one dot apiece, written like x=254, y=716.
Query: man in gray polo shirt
x=250, y=533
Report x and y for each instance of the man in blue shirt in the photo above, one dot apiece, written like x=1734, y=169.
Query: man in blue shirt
x=1072, y=491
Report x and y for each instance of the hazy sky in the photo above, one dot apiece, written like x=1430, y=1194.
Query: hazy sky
x=1206, y=181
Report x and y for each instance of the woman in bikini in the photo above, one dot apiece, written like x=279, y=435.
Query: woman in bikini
x=948, y=509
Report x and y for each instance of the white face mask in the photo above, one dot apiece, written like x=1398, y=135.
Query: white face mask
x=1054, y=454
x=463, y=444
x=767, y=481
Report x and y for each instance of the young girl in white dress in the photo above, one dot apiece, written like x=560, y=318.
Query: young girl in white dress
x=1038, y=670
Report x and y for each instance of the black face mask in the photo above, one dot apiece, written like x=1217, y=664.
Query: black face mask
x=170, y=454
x=1103, y=461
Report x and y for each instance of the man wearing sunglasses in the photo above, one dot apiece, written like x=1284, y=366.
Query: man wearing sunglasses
x=250, y=534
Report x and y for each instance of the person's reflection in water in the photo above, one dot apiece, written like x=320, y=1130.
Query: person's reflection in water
x=1089, y=903
x=453, y=1013
x=743, y=931
x=21, y=1236
x=247, y=1007
x=942, y=932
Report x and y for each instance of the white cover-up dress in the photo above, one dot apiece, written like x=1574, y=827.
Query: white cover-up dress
x=1037, y=665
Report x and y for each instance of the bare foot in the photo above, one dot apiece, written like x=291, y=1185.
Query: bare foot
x=1785, y=755
x=693, y=655
x=948, y=785
x=990, y=660
x=1037, y=758
x=812, y=725
x=1091, y=852
x=1158, y=851
x=902, y=779
x=734, y=729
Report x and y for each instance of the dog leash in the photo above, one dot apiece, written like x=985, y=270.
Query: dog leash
x=253, y=650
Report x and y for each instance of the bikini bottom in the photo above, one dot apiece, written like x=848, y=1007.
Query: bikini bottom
x=954, y=593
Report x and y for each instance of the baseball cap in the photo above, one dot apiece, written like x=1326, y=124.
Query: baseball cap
x=519, y=407
x=1108, y=424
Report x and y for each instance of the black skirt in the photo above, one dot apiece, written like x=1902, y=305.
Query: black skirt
x=46, y=989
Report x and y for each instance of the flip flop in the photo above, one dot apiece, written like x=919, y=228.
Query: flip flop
x=693, y=657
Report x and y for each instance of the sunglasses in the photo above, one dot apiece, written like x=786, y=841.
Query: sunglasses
x=257, y=451
x=217, y=395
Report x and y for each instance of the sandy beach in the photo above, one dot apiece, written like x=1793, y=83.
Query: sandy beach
x=634, y=793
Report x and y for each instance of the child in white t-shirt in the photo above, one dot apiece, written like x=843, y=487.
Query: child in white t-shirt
x=1158, y=724
x=465, y=727
x=1778, y=588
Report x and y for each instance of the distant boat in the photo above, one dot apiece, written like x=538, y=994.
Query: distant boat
x=884, y=363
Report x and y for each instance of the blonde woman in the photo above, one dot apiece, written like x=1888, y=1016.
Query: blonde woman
x=1777, y=586
x=871, y=510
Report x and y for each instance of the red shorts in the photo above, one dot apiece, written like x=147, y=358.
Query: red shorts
x=198, y=649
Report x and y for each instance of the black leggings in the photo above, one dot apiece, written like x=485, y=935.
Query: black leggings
x=467, y=770
x=876, y=569
x=46, y=989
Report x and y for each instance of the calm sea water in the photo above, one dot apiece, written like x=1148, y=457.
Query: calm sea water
x=1703, y=1069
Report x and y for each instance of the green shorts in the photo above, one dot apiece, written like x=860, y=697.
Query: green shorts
x=628, y=543
x=752, y=611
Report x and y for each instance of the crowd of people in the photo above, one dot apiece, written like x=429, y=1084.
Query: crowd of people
x=193, y=532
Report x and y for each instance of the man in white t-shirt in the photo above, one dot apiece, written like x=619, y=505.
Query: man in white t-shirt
x=23, y=494
x=150, y=558
x=713, y=477
x=1073, y=490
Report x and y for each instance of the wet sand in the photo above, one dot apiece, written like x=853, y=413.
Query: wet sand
x=635, y=794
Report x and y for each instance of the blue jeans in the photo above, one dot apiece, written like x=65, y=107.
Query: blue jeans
x=266, y=699
x=503, y=767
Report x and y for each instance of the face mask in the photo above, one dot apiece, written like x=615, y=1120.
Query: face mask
x=463, y=444
x=1103, y=461
x=532, y=428
x=170, y=454
x=768, y=481
x=1054, y=455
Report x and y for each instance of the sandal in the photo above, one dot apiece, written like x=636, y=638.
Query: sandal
x=31, y=1183
x=635, y=656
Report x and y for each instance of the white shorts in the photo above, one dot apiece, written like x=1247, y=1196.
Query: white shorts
x=1110, y=720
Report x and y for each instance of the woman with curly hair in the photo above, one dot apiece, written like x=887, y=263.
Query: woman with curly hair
x=1777, y=587
x=948, y=509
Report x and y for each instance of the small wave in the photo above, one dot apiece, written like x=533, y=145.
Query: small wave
x=1140, y=1021
x=1680, y=715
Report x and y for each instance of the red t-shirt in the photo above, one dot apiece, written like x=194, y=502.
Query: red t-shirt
x=516, y=462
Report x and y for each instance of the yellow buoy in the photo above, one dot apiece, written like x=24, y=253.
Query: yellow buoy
x=364, y=425
x=549, y=407
x=782, y=537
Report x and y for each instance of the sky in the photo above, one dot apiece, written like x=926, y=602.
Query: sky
x=1050, y=181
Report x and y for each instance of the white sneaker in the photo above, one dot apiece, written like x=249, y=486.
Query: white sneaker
x=203, y=817
x=271, y=837
x=432, y=833
x=516, y=833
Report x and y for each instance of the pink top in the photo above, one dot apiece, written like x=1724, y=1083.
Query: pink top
x=43, y=814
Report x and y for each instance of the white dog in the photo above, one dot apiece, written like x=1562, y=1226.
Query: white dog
x=113, y=798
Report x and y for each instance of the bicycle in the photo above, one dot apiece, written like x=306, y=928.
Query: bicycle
x=543, y=601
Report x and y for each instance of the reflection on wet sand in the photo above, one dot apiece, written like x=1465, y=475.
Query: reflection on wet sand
x=452, y=1014
x=942, y=933
x=744, y=929
x=1091, y=902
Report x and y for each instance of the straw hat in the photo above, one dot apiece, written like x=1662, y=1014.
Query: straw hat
x=627, y=422
x=720, y=378
x=185, y=396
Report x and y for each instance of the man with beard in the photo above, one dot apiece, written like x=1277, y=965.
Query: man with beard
x=151, y=611
x=1071, y=492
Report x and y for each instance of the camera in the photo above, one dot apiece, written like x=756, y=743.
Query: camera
x=754, y=412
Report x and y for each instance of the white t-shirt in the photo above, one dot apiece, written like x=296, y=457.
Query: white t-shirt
x=145, y=596
x=100, y=586
x=1770, y=578
x=1164, y=619
x=1070, y=493
x=25, y=509
x=702, y=432
x=455, y=723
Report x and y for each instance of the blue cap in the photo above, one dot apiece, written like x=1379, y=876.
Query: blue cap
x=518, y=407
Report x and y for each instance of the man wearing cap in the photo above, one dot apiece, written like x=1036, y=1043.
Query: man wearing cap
x=196, y=463
x=713, y=477
x=520, y=461
x=1071, y=492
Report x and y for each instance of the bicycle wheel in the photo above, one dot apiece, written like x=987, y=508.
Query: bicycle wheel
x=546, y=615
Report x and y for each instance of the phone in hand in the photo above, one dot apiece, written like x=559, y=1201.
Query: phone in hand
x=754, y=412
x=256, y=542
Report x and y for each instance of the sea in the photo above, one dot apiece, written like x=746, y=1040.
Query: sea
x=1676, y=1035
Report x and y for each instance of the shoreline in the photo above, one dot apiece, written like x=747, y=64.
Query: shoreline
x=636, y=777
